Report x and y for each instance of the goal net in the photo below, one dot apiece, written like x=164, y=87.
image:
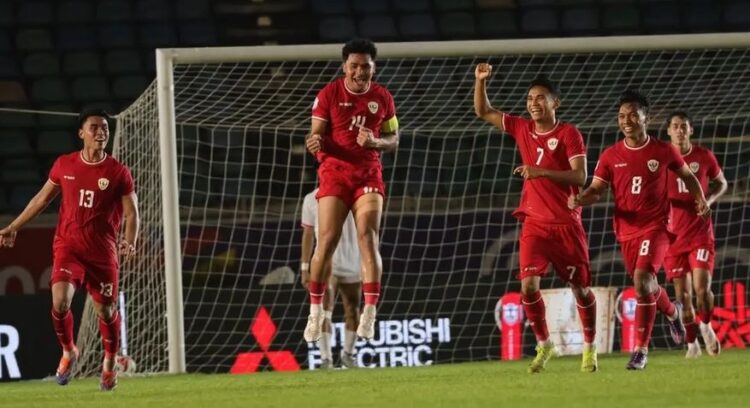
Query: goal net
x=449, y=242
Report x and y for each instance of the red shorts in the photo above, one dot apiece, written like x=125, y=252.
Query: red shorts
x=349, y=182
x=563, y=245
x=645, y=252
x=677, y=265
x=100, y=277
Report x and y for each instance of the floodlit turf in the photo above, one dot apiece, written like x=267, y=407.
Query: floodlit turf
x=669, y=381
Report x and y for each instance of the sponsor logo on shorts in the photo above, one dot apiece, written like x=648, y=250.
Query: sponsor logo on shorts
x=694, y=166
x=370, y=190
x=66, y=270
x=552, y=143
x=653, y=165
x=530, y=269
x=103, y=183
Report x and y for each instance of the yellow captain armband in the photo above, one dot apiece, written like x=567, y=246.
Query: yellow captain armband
x=390, y=125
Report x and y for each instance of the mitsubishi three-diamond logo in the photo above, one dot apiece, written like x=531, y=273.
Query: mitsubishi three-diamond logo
x=264, y=329
x=732, y=321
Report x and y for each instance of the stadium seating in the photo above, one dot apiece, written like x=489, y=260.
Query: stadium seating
x=68, y=54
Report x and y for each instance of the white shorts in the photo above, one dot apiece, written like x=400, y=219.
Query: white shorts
x=344, y=276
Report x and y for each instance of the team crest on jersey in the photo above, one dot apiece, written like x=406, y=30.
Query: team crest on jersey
x=103, y=183
x=694, y=166
x=653, y=165
x=552, y=143
x=373, y=107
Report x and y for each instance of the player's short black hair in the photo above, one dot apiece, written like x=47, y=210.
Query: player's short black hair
x=359, y=46
x=634, y=96
x=544, y=81
x=680, y=114
x=87, y=113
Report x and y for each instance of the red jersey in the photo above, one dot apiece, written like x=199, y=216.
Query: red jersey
x=91, y=204
x=638, y=178
x=689, y=227
x=345, y=111
x=542, y=199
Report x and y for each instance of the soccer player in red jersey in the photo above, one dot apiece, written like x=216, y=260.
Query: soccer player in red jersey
x=690, y=260
x=97, y=192
x=554, y=168
x=636, y=170
x=353, y=120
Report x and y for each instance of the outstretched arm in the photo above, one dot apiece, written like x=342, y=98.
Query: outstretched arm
x=132, y=224
x=591, y=195
x=482, y=106
x=37, y=204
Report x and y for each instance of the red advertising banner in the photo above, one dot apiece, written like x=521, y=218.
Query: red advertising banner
x=627, y=318
x=509, y=318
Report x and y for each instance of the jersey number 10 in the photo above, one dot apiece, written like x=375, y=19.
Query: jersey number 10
x=86, y=199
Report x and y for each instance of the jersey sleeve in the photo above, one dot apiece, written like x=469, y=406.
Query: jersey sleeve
x=713, y=169
x=321, y=105
x=55, y=172
x=127, y=183
x=603, y=169
x=513, y=124
x=308, y=211
x=574, y=143
x=674, y=158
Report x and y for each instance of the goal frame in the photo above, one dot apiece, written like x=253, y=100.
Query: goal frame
x=167, y=58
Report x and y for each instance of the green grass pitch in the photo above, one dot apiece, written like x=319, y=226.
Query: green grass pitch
x=668, y=381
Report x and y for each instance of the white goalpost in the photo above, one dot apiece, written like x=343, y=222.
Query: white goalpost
x=216, y=146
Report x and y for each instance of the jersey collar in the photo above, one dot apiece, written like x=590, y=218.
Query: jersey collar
x=86, y=162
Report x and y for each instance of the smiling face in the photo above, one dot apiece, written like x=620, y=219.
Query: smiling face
x=632, y=120
x=94, y=133
x=541, y=104
x=358, y=71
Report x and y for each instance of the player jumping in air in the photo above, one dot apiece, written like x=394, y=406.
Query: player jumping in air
x=344, y=279
x=690, y=260
x=636, y=170
x=554, y=168
x=353, y=120
x=97, y=192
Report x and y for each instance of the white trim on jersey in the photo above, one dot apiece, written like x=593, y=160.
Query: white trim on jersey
x=601, y=179
x=92, y=163
x=648, y=140
x=577, y=155
x=319, y=118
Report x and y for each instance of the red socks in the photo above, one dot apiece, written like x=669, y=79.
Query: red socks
x=317, y=291
x=645, y=314
x=533, y=307
x=664, y=304
x=705, y=316
x=110, y=332
x=691, y=331
x=63, y=324
x=587, y=312
x=372, y=292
